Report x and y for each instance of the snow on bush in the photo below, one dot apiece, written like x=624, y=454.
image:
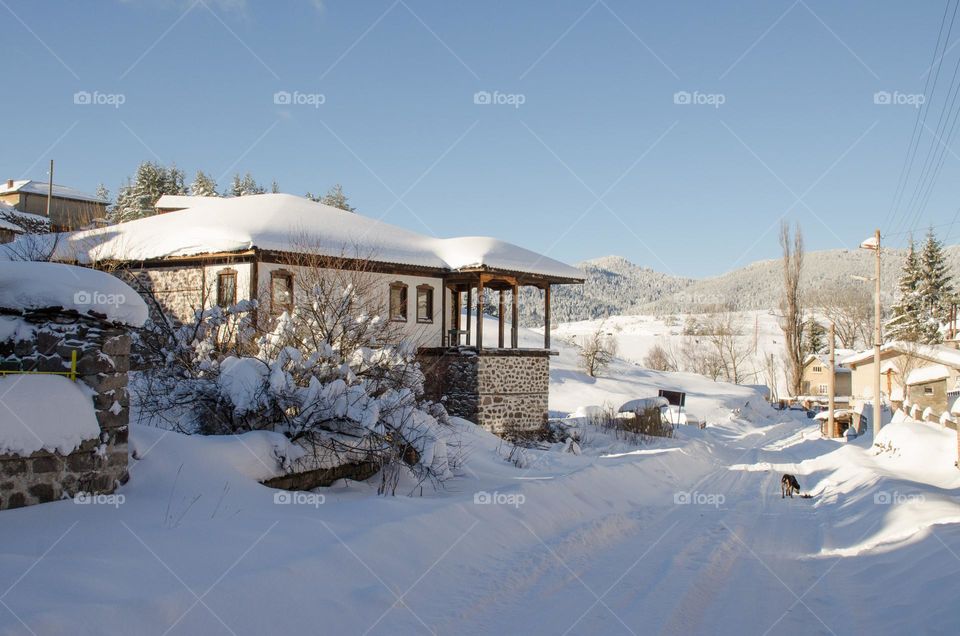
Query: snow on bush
x=327, y=375
x=44, y=412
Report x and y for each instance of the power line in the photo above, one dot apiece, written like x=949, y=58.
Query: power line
x=908, y=160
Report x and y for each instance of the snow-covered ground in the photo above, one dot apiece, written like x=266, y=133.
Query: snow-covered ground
x=680, y=536
x=637, y=334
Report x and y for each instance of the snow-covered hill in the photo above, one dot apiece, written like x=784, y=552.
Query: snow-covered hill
x=615, y=286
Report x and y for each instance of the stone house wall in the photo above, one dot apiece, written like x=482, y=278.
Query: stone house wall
x=937, y=400
x=98, y=465
x=505, y=391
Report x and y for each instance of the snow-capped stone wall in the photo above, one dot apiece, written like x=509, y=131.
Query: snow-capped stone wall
x=43, y=340
x=503, y=390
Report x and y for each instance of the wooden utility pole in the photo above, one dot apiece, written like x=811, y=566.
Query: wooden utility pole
x=50, y=193
x=832, y=385
x=877, y=341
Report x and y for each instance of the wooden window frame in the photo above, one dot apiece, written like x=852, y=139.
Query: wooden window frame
x=928, y=390
x=221, y=275
x=288, y=275
x=404, y=290
x=428, y=319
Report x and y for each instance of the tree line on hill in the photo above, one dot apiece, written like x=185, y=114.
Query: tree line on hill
x=137, y=197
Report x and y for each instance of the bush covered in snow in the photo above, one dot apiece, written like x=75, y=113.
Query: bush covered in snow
x=331, y=375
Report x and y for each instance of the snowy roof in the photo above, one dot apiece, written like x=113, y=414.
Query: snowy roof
x=824, y=359
x=930, y=373
x=282, y=222
x=181, y=201
x=9, y=216
x=40, y=187
x=935, y=353
x=26, y=285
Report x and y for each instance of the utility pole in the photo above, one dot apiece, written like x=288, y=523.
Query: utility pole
x=832, y=385
x=50, y=193
x=877, y=341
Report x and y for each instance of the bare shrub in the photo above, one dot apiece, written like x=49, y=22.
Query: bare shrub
x=597, y=351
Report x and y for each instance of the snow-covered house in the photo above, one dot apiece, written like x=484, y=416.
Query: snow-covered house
x=70, y=208
x=816, y=381
x=13, y=223
x=911, y=373
x=225, y=250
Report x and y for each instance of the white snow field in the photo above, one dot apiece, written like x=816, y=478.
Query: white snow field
x=680, y=536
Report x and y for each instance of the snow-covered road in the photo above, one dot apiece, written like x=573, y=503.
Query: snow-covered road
x=685, y=536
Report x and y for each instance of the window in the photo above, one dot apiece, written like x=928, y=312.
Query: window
x=281, y=291
x=928, y=390
x=227, y=288
x=823, y=389
x=818, y=369
x=398, y=302
x=424, y=303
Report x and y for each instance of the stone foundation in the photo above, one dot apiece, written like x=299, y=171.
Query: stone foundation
x=100, y=464
x=503, y=390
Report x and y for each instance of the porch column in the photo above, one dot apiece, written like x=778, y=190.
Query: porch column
x=515, y=317
x=455, y=317
x=546, y=316
x=480, y=313
x=444, y=336
x=501, y=320
x=469, y=311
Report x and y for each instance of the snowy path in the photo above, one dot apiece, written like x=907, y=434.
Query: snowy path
x=598, y=546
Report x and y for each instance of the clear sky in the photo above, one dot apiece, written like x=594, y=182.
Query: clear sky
x=587, y=152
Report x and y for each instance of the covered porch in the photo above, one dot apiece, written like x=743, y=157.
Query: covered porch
x=465, y=301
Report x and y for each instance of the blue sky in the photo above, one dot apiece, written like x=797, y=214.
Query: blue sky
x=598, y=159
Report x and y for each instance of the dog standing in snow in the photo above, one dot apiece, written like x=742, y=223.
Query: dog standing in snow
x=788, y=486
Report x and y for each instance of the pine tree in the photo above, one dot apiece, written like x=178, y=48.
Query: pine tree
x=935, y=288
x=335, y=198
x=103, y=193
x=244, y=186
x=814, y=337
x=138, y=198
x=907, y=321
x=203, y=185
x=275, y=187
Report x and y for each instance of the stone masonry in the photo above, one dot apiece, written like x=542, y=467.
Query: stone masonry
x=503, y=390
x=98, y=465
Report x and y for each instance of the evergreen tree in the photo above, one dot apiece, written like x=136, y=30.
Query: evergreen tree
x=138, y=198
x=203, y=185
x=244, y=186
x=907, y=322
x=814, y=337
x=935, y=287
x=103, y=193
x=275, y=187
x=337, y=199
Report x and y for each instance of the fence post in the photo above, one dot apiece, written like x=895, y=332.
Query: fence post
x=73, y=365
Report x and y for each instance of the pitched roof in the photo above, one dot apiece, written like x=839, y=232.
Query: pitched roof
x=39, y=187
x=281, y=222
x=934, y=353
x=14, y=220
x=931, y=373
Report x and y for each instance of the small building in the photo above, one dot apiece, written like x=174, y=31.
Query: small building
x=910, y=373
x=70, y=209
x=221, y=251
x=815, y=381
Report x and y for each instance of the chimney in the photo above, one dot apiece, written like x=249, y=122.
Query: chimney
x=9, y=183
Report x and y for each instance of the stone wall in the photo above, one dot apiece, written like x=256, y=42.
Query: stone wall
x=504, y=390
x=103, y=359
x=179, y=290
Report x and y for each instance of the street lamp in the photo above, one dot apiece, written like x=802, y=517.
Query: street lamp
x=873, y=243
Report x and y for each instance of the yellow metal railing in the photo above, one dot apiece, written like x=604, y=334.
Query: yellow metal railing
x=72, y=373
